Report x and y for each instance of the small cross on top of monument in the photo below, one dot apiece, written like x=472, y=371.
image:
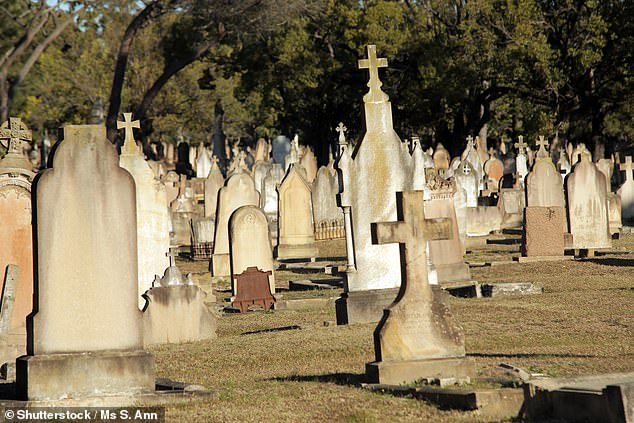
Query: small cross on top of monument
x=14, y=133
x=542, y=142
x=342, y=133
x=372, y=63
x=520, y=145
x=627, y=168
x=129, y=144
x=470, y=142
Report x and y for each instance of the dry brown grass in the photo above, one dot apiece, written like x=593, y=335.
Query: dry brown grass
x=582, y=324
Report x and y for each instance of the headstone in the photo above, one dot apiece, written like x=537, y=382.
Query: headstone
x=269, y=187
x=309, y=162
x=87, y=263
x=213, y=183
x=446, y=254
x=467, y=179
x=171, y=182
x=327, y=215
x=471, y=155
x=203, y=163
x=543, y=232
x=176, y=311
x=543, y=184
x=152, y=218
x=262, y=151
x=296, y=238
x=254, y=290
x=588, y=206
x=417, y=337
x=238, y=191
x=521, y=161
x=250, y=244
x=16, y=243
x=170, y=155
x=183, y=165
x=281, y=146
x=379, y=167
x=293, y=155
x=260, y=169
x=441, y=158
x=494, y=168
x=626, y=191
x=202, y=234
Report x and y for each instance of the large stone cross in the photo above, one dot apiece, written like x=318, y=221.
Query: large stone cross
x=342, y=132
x=470, y=142
x=520, y=144
x=542, y=142
x=412, y=231
x=13, y=134
x=129, y=145
x=372, y=63
x=627, y=168
x=172, y=254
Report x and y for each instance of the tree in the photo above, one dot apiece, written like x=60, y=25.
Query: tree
x=31, y=27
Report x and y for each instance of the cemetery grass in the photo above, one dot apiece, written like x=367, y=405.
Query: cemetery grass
x=297, y=365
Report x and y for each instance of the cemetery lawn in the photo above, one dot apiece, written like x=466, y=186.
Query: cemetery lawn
x=298, y=366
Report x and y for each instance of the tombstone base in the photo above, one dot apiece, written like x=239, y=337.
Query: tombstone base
x=220, y=265
x=289, y=251
x=363, y=306
x=408, y=371
x=82, y=375
x=534, y=259
x=450, y=273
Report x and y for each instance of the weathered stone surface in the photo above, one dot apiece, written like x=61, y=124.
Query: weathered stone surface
x=151, y=216
x=254, y=290
x=87, y=263
x=482, y=220
x=588, y=206
x=177, y=314
x=250, y=244
x=239, y=191
x=260, y=170
x=418, y=326
x=626, y=190
x=214, y=182
x=543, y=231
x=614, y=213
x=441, y=158
x=511, y=204
x=309, y=162
x=296, y=236
x=324, y=199
x=467, y=179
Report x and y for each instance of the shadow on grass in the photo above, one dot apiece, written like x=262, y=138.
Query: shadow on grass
x=508, y=241
x=347, y=379
x=527, y=355
x=618, y=262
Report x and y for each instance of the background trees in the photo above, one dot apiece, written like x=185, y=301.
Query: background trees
x=496, y=68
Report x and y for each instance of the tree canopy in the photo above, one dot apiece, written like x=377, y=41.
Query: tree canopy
x=494, y=68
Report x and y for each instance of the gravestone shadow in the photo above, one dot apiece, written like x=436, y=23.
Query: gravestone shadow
x=344, y=379
x=611, y=261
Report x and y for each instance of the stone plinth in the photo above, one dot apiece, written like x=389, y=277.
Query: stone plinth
x=87, y=374
x=407, y=371
x=363, y=306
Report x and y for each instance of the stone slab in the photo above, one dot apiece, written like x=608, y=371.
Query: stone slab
x=408, y=371
x=502, y=403
x=543, y=231
x=522, y=288
x=95, y=374
x=536, y=259
x=587, y=398
x=304, y=303
x=363, y=306
x=290, y=251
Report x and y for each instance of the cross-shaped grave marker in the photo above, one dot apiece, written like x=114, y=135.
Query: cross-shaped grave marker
x=129, y=145
x=470, y=142
x=542, y=142
x=627, y=168
x=172, y=254
x=520, y=145
x=372, y=63
x=412, y=231
x=13, y=134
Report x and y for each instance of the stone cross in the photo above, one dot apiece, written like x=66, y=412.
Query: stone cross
x=214, y=161
x=342, y=133
x=469, y=142
x=542, y=143
x=518, y=181
x=413, y=231
x=172, y=254
x=13, y=133
x=372, y=63
x=627, y=168
x=520, y=145
x=127, y=125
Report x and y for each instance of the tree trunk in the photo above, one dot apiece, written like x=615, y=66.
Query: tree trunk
x=120, y=68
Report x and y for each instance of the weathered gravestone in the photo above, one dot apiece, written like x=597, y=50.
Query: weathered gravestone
x=626, y=191
x=544, y=217
x=171, y=182
x=327, y=215
x=494, y=170
x=521, y=161
x=213, y=183
x=471, y=155
x=446, y=254
x=511, y=204
x=254, y=290
x=176, y=311
x=250, y=244
x=262, y=151
x=296, y=238
x=86, y=337
x=417, y=337
x=183, y=209
x=151, y=213
x=309, y=162
x=203, y=162
x=606, y=166
x=380, y=166
x=281, y=146
x=467, y=179
x=239, y=191
x=16, y=245
x=260, y=169
x=442, y=158
x=588, y=206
